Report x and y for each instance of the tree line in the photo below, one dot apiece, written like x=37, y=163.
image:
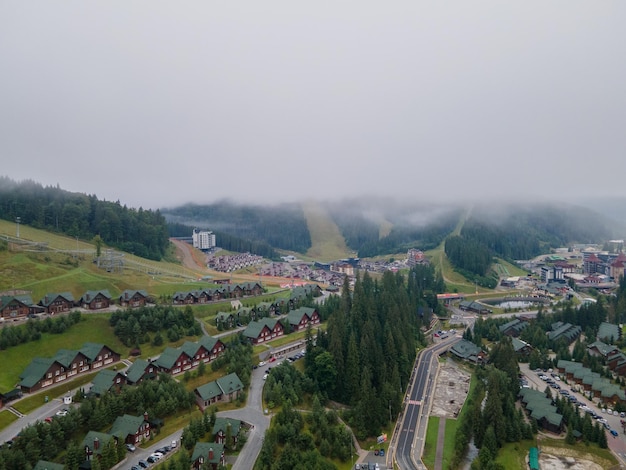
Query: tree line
x=283, y=226
x=302, y=441
x=133, y=326
x=490, y=416
x=228, y=241
x=371, y=342
x=61, y=438
x=138, y=231
x=33, y=329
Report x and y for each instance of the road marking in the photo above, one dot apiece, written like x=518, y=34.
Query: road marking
x=415, y=402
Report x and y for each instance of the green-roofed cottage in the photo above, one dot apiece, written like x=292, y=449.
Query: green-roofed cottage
x=263, y=330
x=207, y=455
x=141, y=370
x=133, y=298
x=95, y=299
x=95, y=442
x=173, y=361
x=45, y=465
x=302, y=317
x=54, y=302
x=221, y=430
x=224, y=389
x=131, y=429
x=107, y=380
x=16, y=306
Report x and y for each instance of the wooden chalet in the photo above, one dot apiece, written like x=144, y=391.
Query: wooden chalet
x=133, y=298
x=221, y=430
x=204, y=350
x=131, y=429
x=173, y=361
x=54, y=302
x=263, y=330
x=207, y=455
x=107, y=380
x=302, y=317
x=99, y=355
x=16, y=306
x=141, y=370
x=224, y=389
x=184, y=298
x=227, y=319
x=94, y=444
x=44, y=372
x=95, y=299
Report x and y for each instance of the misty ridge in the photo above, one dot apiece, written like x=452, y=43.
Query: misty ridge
x=369, y=227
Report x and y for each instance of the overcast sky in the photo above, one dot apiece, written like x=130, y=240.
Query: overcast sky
x=156, y=103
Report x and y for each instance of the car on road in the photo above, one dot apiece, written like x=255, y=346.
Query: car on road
x=265, y=376
x=131, y=447
x=62, y=412
x=614, y=432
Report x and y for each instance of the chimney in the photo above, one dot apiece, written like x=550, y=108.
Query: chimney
x=96, y=444
x=145, y=416
x=126, y=295
x=210, y=454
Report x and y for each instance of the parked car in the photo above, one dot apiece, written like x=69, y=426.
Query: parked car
x=62, y=412
x=131, y=447
x=143, y=464
x=614, y=432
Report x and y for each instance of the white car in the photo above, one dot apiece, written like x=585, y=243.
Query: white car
x=261, y=364
x=265, y=376
x=61, y=413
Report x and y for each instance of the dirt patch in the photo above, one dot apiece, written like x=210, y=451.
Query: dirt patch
x=552, y=458
x=451, y=390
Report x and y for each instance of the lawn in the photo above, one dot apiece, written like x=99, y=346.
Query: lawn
x=513, y=455
x=93, y=328
x=6, y=418
x=430, y=446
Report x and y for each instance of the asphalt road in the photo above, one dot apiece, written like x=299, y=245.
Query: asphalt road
x=412, y=432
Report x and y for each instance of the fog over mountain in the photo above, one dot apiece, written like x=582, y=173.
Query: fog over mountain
x=157, y=103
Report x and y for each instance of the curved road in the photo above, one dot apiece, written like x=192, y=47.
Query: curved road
x=412, y=432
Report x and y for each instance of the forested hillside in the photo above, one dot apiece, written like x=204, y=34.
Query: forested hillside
x=422, y=227
x=366, y=357
x=227, y=241
x=138, y=231
x=516, y=232
x=283, y=227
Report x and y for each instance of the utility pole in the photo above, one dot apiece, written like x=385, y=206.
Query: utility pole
x=17, y=220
